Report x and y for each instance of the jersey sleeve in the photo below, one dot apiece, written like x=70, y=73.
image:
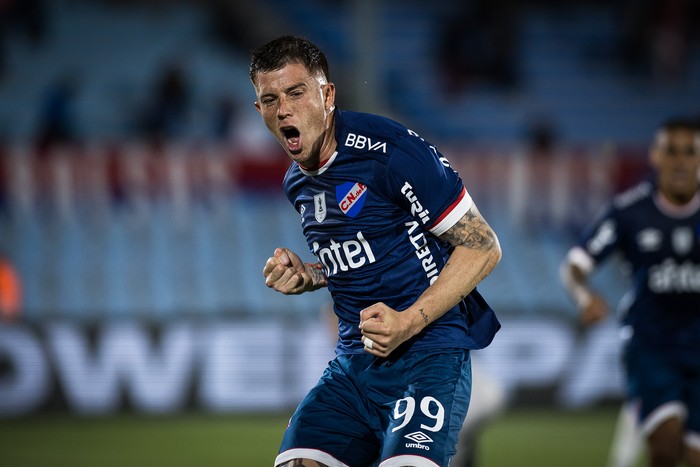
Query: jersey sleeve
x=424, y=184
x=599, y=240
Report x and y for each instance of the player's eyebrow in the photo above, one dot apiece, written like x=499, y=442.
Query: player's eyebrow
x=294, y=87
x=286, y=90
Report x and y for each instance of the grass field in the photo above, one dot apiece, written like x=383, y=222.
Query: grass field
x=521, y=438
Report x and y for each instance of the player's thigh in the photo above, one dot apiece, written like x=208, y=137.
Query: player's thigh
x=692, y=456
x=659, y=381
x=330, y=426
x=692, y=435
x=692, y=372
x=424, y=423
x=666, y=439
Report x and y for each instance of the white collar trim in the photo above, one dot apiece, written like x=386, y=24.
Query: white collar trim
x=673, y=210
x=321, y=169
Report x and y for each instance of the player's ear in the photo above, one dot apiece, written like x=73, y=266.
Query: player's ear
x=329, y=96
x=654, y=155
x=257, y=106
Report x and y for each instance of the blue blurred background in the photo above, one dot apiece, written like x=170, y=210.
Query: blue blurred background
x=140, y=194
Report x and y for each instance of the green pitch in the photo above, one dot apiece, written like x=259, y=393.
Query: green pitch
x=521, y=438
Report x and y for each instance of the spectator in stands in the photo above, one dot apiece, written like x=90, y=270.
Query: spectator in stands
x=224, y=118
x=25, y=17
x=57, y=124
x=657, y=36
x=478, y=45
x=167, y=115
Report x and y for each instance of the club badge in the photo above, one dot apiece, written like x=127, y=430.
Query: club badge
x=320, y=207
x=351, y=197
x=682, y=240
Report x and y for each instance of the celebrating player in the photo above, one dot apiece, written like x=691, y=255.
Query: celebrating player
x=401, y=246
x=656, y=227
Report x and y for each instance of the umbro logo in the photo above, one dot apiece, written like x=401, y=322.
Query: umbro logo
x=418, y=438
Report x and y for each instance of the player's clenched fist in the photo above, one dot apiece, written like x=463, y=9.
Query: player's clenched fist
x=595, y=310
x=383, y=329
x=286, y=273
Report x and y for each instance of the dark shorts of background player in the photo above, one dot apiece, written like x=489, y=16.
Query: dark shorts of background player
x=666, y=384
x=368, y=411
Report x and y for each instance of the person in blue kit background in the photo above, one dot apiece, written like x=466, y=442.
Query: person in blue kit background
x=401, y=247
x=656, y=228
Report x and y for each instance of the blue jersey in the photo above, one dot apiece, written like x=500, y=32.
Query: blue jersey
x=662, y=249
x=372, y=216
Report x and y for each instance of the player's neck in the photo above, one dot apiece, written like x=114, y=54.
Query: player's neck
x=326, y=149
x=678, y=206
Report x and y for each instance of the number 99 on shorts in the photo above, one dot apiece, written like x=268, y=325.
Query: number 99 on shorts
x=429, y=407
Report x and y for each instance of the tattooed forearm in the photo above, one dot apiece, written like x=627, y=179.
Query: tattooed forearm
x=424, y=315
x=470, y=231
x=318, y=278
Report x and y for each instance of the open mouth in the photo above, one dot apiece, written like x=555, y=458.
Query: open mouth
x=293, y=138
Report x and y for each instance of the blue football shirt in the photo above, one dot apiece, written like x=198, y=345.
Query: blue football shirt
x=661, y=248
x=372, y=215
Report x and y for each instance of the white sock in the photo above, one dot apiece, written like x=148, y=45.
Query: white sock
x=627, y=441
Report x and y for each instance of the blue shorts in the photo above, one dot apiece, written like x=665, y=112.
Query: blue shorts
x=368, y=411
x=666, y=384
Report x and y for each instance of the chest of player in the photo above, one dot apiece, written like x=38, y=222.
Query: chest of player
x=654, y=239
x=341, y=209
x=352, y=223
x=664, y=252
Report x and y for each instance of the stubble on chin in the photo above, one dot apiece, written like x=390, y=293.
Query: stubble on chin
x=313, y=160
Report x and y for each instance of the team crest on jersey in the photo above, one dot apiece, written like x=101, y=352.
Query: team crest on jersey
x=682, y=240
x=649, y=239
x=351, y=197
x=320, y=207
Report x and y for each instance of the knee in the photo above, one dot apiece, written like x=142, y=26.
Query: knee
x=302, y=463
x=662, y=456
x=666, y=444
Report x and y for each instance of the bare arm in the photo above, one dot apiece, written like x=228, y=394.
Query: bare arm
x=574, y=277
x=476, y=253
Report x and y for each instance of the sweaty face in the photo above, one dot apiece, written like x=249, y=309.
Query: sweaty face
x=297, y=109
x=676, y=157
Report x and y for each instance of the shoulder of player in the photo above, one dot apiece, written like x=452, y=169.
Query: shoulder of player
x=364, y=133
x=293, y=179
x=633, y=196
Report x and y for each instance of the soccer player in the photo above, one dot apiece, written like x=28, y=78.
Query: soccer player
x=401, y=247
x=656, y=228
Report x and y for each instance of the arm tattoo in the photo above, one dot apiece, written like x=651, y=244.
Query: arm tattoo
x=315, y=270
x=424, y=315
x=470, y=231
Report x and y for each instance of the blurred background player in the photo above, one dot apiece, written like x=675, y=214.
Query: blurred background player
x=656, y=227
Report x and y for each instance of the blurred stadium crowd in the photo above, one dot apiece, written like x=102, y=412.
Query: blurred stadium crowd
x=136, y=180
